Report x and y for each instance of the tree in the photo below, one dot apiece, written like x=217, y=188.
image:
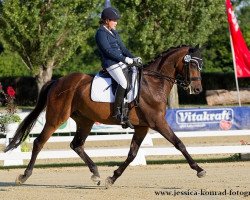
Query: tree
x=61, y=33
x=1, y=48
x=218, y=49
x=46, y=33
x=11, y=65
x=154, y=26
x=151, y=27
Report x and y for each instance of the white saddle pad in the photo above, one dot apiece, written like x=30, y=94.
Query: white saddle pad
x=101, y=90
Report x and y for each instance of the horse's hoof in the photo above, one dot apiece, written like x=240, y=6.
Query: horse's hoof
x=201, y=173
x=108, y=182
x=20, y=180
x=96, y=179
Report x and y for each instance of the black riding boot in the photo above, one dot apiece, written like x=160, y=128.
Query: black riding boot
x=119, y=96
x=120, y=112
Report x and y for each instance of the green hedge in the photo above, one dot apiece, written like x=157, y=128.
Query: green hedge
x=27, y=91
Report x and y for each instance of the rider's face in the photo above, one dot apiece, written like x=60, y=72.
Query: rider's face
x=112, y=24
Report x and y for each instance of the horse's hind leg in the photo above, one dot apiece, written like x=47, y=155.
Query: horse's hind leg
x=139, y=135
x=83, y=129
x=163, y=128
x=47, y=131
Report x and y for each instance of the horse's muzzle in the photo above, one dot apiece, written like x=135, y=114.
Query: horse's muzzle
x=195, y=89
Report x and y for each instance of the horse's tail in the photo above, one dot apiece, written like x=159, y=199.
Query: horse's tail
x=27, y=124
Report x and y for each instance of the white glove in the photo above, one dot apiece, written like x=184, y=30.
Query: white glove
x=129, y=61
x=137, y=60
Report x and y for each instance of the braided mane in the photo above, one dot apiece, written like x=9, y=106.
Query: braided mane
x=168, y=52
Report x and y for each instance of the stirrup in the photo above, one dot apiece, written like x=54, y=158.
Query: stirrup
x=127, y=124
x=123, y=121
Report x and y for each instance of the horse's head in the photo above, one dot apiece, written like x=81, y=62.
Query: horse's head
x=189, y=69
x=181, y=65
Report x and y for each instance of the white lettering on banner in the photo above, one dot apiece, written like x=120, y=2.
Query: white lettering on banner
x=204, y=116
x=234, y=19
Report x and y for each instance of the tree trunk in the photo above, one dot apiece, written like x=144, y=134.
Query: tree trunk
x=227, y=97
x=173, y=99
x=45, y=75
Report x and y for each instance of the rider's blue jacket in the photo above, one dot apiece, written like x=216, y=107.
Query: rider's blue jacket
x=111, y=48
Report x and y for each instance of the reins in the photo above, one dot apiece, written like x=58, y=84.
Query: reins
x=180, y=82
x=159, y=75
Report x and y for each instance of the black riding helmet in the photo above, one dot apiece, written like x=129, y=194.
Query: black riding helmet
x=110, y=13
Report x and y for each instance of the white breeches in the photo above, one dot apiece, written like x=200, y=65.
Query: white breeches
x=116, y=72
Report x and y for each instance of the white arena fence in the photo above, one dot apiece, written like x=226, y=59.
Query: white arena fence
x=116, y=133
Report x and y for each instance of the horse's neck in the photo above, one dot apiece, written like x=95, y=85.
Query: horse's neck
x=159, y=84
x=162, y=68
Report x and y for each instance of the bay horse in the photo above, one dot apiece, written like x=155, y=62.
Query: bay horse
x=69, y=96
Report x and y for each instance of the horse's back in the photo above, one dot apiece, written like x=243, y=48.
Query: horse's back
x=73, y=80
x=66, y=86
x=76, y=77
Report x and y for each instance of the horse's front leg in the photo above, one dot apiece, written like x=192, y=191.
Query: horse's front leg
x=163, y=128
x=139, y=135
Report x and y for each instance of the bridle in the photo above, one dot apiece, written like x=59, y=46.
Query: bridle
x=188, y=59
x=185, y=81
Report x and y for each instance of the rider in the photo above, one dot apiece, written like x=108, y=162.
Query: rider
x=114, y=55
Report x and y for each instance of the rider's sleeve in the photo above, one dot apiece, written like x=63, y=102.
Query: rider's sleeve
x=103, y=44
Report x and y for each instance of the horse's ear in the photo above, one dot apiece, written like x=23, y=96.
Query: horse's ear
x=197, y=46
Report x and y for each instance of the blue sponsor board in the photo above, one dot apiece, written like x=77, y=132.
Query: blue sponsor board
x=229, y=118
